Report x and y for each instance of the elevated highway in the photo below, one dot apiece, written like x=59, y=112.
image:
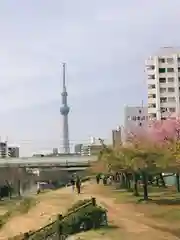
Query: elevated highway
x=63, y=162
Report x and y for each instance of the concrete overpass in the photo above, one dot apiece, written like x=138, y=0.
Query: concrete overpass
x=73, y=161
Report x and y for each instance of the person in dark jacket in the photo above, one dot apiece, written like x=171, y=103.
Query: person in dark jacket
x=78, y=185
x=73, y=183
x=98, y=176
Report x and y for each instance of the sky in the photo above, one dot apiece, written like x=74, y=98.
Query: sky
x=104, y=43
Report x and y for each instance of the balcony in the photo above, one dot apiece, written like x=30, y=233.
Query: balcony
x=151, y=91
x=149, y=62
x=151, y=100
x=151, y=110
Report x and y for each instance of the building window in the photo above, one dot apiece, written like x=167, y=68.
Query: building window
x=170, y=70
x=170, y=79
x=138, y=118
x=140, y=124
x=163, y=99
x=139, y=111
x=163, y=110
x=162, y=80
x=178, y=59
x=162, y=90
x=151, y=86
x=172, y=110
x=171, y=99
x=152, y=105
x=150, y=67
x=171, y=90
x=162, y=70
x=152, y=96
x=178, y=69
x=152, y=76
x=134, y=118
x=170, y=60
x=161, y=60
x=152, y=115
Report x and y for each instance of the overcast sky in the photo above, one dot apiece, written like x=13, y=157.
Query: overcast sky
x=103, y=42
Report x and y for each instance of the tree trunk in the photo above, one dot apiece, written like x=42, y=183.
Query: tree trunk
x=145, y=186
x=19, y=188
x=122, y=182
x=135, y=182
x=162, y=180
x=127, y=182
x=177, y=182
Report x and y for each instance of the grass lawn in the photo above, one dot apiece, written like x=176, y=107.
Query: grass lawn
x=164, y=204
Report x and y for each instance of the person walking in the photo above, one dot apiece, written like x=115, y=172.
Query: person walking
x=98, y=176
x=78, y=185
x=73, y=184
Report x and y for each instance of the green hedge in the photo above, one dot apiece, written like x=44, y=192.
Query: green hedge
x=85, y=219
x=78, y=204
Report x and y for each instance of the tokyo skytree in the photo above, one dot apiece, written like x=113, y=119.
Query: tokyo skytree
x=64, y=110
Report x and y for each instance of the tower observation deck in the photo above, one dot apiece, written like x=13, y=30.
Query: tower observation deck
x=64, y=110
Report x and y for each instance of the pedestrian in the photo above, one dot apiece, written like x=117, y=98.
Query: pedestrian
x=78, y=185
x=105, y=180
x=73, y=184
x=98, y=178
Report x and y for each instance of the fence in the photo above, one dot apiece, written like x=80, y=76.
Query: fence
x=54, y=229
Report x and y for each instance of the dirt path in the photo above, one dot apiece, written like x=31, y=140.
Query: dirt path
x=131, y=225
x=50, y=204
x=135, y=225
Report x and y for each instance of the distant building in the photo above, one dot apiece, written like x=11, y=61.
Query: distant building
x=3, y=149
x=135, y=119
x=90, y=150
x=55, y=151
x=116, y=137
x=13, y=152
x=163, y=80
x=78, y=148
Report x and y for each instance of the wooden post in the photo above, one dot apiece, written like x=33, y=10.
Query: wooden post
x=94, y=201
x=19, y=187
x=59, y=226
x=26, y=236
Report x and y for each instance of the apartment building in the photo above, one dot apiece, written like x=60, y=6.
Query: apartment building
x=135, y=119
x=116, y=137
x=163, y=79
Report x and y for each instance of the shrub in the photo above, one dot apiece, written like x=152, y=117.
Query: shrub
x=78, y=204
x=84, y=219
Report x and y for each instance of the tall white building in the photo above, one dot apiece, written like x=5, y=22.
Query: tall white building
x=135, y=119
x=163, y=79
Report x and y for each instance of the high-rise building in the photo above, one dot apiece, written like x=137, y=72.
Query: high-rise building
x=163, y=79
x=116, y=137
x=64, y=110
x=135, y=119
